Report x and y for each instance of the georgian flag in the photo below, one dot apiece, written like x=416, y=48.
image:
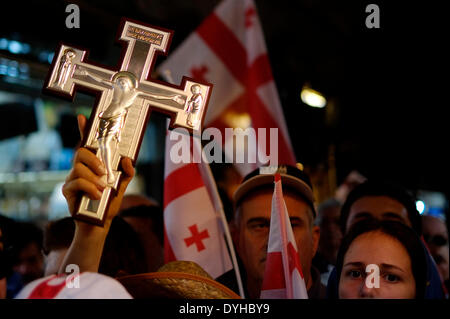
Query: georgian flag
x=193, y=230
x=229, y=51
x=283, y=276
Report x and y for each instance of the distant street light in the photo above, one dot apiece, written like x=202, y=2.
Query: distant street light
x=312, y=97
x=420, y=206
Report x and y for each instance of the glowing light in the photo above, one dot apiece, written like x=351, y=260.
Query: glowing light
x=420, y=206
x=241, y=120
x=14, y=47
x=312, y=97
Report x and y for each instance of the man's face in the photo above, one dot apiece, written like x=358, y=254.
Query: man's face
x=436, y=236
x=379, y=207
x=30, y=264
x=252, y=234
x=331, y=236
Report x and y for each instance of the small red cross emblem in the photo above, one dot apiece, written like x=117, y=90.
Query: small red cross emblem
x=199, y=73
x=196, y=238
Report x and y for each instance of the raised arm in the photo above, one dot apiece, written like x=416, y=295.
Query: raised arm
x=85, y=178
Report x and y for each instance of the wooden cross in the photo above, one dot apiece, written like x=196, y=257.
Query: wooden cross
x=125, y=98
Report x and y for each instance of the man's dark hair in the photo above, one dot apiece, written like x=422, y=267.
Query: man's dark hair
x=399, y=231
x=58, y=234
x=380, y=188
x=122, y=253
x=153, y=213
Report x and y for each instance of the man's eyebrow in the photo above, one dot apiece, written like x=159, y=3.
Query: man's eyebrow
x=362, y=214
x=393, y=215
x=296, y=219
x=258, y=220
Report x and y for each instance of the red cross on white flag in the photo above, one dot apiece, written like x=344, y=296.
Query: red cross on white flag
x=196, y=238
x=229, y=51
x=193, y=230
x=283, y=276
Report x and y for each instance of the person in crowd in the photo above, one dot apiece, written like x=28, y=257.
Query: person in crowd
x=122, y=254
x=58, y=235
x=85, y=177
x=251, y=223
x=27, y=257
x=328, y=214
x=353, y=179
x=146, y=218
x=381, y=200
x=385, y=201
x=435, y=234
x=381, y=259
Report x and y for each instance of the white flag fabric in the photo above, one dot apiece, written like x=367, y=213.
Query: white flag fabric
x=192, y=229
x=86, y=285
x=229, y=51
x=283, y=276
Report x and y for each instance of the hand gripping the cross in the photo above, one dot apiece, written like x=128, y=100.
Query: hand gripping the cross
x=85, y=178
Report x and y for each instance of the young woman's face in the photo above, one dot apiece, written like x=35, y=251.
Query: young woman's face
x=396, y=280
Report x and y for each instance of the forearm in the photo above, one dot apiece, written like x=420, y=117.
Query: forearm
x=86, y=248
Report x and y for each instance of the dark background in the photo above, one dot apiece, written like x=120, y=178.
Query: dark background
x=389, y=118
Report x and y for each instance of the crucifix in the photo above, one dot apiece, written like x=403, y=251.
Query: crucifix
x=125, y=98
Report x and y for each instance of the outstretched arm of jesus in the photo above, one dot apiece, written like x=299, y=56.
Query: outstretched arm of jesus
x=177, y=98
x=85, y=178
x=82, y=71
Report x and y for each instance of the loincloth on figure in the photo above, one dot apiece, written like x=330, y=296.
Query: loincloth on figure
x=110, y=125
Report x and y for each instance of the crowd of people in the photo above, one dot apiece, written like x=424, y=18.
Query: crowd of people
x=374, y=244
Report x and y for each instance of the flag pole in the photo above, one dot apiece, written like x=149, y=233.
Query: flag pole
x=218, y=206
